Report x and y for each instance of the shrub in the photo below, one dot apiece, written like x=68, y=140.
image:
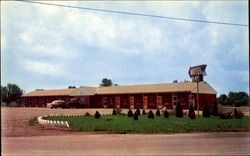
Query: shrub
x=130, y=113
x=151, y=115
x=225, y=115
x=238, y=114
x=118, y=110
x=143, y=112
x=192, y=115
x=179, y=112
x=215, y=108
x=87, y=114
x=191, y=111
x=114, y=112
x=205, y=111
x=97, y=115
x=138, y=111
x=158, y=113
x=135, y=116
x=166, y=114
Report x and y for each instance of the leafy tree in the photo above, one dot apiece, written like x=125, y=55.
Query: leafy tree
x=143, y=112
x=106, y=82
x=11, y=93
x=234, y=98
x=222, y=99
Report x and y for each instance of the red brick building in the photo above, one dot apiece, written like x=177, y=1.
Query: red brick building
x=130, y=96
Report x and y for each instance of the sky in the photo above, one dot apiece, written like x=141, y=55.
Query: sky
x=53, y=47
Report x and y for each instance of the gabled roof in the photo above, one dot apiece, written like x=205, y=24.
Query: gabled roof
x=51, y=92
x=129, y=89
x=84, y=91
x=157, y=88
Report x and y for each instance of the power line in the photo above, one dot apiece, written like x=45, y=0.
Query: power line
x=136, y=14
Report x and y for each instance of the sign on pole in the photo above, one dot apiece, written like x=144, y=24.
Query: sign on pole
x=196, y=73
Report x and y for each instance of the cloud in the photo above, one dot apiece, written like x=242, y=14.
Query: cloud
x=43, y=68
x=55, y=41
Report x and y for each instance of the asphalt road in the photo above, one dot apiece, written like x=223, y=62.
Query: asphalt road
x=127, y=144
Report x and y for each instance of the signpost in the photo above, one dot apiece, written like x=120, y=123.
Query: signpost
x=196, y=73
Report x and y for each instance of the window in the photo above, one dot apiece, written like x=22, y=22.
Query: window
x=174, y=99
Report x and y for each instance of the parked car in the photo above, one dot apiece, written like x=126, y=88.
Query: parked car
x=56, y=104
x=74, y=103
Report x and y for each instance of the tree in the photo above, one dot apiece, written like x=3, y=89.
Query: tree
x=107, y=82
x=11, y=93
x=222, y=99
x=236, y=99
x=191, y=113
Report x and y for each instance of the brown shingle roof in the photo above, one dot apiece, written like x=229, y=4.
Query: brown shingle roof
x=51, y=92
x=83, y=91
x=157, y=88
x=129, y=89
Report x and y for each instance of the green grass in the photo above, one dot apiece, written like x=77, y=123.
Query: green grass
x=124, y=124
x=33, y=121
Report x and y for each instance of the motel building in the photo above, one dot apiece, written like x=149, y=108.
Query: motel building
x=147, y=96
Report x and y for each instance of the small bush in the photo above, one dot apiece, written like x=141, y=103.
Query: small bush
x=114, y=112
x=130, y=113
x=151, y=115
x=87, y=114
x=138, y=111
x=135, y=116
x=192, y=115
x=179, y=112
x=158, y=113
x=143, y=112
x=33, y=121
x=118, y=110
x=191, y=112
x=225, y=115
x=238, y=114
x=166, y=114
x=97, y=115
x=205, y=111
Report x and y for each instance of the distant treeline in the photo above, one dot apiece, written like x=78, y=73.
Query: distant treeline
x=236, y=99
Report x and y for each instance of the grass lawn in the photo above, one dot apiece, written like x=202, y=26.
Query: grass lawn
x=124, y=124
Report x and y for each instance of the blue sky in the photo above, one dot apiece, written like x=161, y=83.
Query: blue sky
x=53, y=47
